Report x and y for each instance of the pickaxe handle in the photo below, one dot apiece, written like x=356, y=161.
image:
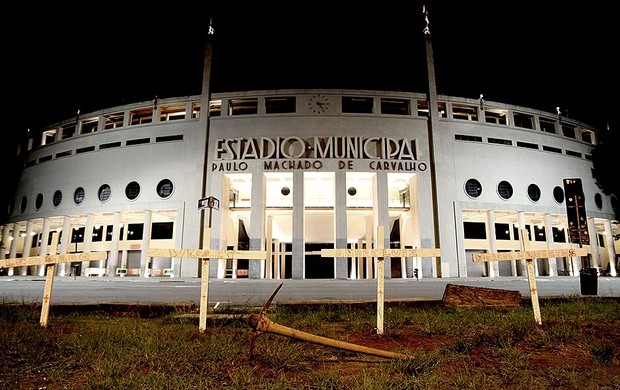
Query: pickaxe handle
x=265, y=325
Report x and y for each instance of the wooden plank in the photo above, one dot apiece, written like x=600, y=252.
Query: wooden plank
x=479, y=297
x=529, y=254
x=380, y=281
x=207, y=254
x=378, y=252
x=53, y=259
x=47, y=294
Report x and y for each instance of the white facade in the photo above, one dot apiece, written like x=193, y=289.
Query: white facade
x=297, y=171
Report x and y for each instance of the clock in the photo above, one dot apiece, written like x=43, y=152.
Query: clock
x=318, y=104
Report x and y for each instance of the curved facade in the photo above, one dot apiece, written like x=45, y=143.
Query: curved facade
x=297, y=171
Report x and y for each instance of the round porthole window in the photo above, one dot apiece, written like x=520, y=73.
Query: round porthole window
x=558, y=194
x=285, y=191
x=533, y=192
x=38, y=202
x=78, y=195
x=104, y=193
x=504, y=189
x=165, y=188
x=132, y=190
x=598, y=201
x=473, y=188
x=57, y=198
x=352, y=191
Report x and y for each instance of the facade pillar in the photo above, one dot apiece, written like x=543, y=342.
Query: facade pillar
x=113, y=256
x=552, y=263
x=611, y=250
x=381, y=216
x=596, y=256
x=88, y=239
x=298, y=263
x=146, y=239
x=521, y=263
x=491, y=243
x=64, y=244
x=45, y=233
x=23, y=271
x=513, y=263
x=13, y=247
x=5, y=241
x=257, y=224
x=340, y=222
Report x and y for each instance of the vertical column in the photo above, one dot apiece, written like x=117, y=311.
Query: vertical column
x=340, y=222
x=27, y=246
x=146, y=239
x=269, y=274
x=113, y=256
x=381, y=216
x=552, y=263
x=61, y=269
x=596, y=256
x=5, y=241
x=370, y=233
x=257, y=224
x=13, y=248
x=521, y=263
x=609, y=244
x=513, y=264
x=88, y=239
x=491, y=243
x=298, y=266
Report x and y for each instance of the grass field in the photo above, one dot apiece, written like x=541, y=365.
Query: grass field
x=576, y=347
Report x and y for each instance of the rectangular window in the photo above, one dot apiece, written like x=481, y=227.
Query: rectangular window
x=539, y=233
x=280, y=105
x=171, y=113
x=475, y=230
x=586, y=136
x=464, y=112
x=90, y=125
x=500, y=141
x=495, y=116
x=502, y=231
x=113, y=121
x=573, y=153
x=48, y=136
x=77, y=235
x=357, y=105
x=551, y=149
x=528, y=145
x=524, y=120
x=462, y=137
x=423, y=109
x=568, y=131
x=45, y=158
x=243, y=106
x=559, y=235
x=169, y=138
x=108, y=234
x=85, y=149
x=110, y=145
x=140, y=117
x=135, y=231
x=137, y=141
x=162, y=230
x=391, y=106
x=547, y=125
x=64, y=154
x=98, y=234
x=68, y=131
x=215, y=108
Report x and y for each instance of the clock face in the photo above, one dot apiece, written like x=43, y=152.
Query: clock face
x=318, y=104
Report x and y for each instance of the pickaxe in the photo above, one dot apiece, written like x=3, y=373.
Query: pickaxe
x=261, y=324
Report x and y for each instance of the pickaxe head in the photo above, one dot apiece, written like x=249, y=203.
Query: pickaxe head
x=255, y=320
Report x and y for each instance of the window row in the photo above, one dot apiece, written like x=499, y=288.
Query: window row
x=473, y=189
x=163, y=189
x=135, y=231
x=520, y=144
x=478, y=230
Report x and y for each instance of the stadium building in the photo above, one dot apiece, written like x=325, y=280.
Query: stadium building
x=292, y=172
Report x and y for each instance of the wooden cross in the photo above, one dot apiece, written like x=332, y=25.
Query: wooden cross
x=205, y=255
x=529, y=256
x=380, y=252
x=51, y=261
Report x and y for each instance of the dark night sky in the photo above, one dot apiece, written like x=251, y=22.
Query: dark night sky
x=512, y=52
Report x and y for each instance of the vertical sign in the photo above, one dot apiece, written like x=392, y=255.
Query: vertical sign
x=576, y=212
